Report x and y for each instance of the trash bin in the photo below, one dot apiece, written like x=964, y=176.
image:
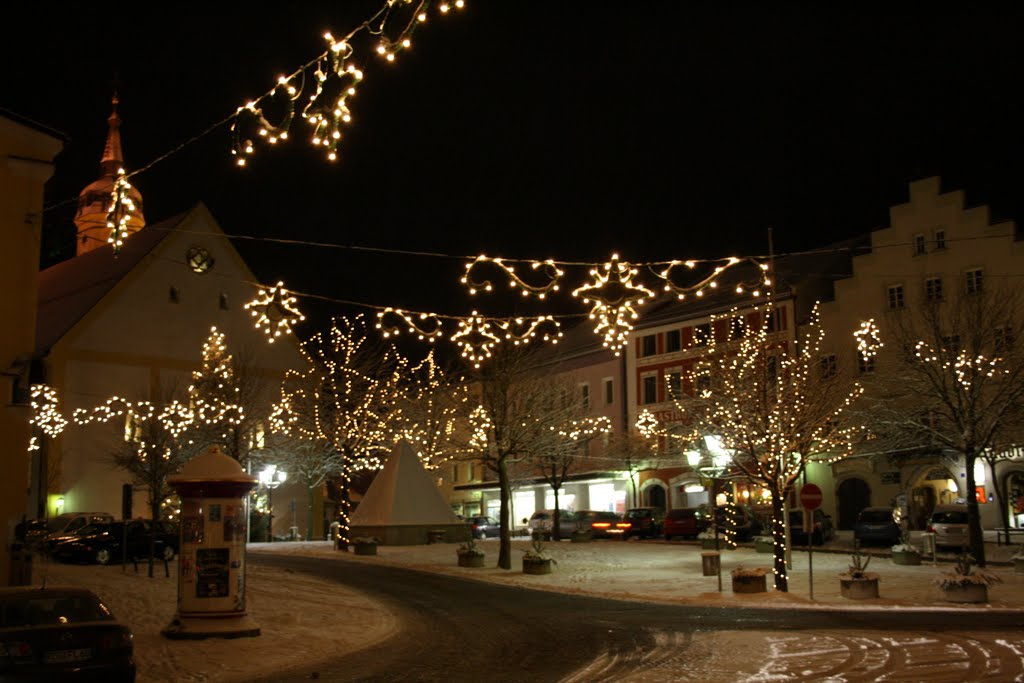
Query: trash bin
x=21, y=565
x=711, y=562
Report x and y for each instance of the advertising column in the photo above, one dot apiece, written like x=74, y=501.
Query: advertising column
x=211, y=563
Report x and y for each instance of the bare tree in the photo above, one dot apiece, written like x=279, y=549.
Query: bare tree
x=507, y=424
x=770, y=409
x=565, y=431
x=633, y=451
x=957, y=384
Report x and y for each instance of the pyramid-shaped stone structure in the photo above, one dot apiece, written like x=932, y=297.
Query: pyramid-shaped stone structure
x=403, y=505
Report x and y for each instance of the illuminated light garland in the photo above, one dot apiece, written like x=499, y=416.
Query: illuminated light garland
x=525, y=330
x=412, y=322
x=335, y=78
x=120, y=212
x=868, y=339
x=711, y=282
x=275, y=311
x=614, y=294
x=46, y=415
x=551, y=271
x=476, y=339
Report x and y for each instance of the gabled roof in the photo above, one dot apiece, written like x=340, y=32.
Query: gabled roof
x=70, y=289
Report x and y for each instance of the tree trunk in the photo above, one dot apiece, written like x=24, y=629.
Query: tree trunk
x=556, y=521
x=779, y=537
x=154, y=511
x=309, y=513
x=505, y=551
x=977, y=541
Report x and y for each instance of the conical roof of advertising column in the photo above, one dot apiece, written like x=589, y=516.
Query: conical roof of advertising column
x=213, y=464
x=403, y=492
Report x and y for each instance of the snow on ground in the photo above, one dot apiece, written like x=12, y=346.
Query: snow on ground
x=299, y=616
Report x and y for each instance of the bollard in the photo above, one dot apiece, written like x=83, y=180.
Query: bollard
x=711, y=562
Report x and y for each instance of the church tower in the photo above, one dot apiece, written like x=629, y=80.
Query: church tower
x=94, y=200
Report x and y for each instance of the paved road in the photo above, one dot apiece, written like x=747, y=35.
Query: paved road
x=460, y=630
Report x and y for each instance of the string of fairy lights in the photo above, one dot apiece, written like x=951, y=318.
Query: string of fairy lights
x=319, y=92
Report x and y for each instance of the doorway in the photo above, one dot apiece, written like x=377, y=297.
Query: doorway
x=853, y=495
x=654, y=496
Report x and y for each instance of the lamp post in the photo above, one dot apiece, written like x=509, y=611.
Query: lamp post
x=719, y=463
x=271, y=477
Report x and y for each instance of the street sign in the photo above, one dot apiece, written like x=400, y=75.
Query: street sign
x=810, y=496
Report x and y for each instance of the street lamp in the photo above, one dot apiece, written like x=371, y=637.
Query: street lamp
x=271, y=477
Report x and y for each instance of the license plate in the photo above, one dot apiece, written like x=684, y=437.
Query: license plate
x=65, y=656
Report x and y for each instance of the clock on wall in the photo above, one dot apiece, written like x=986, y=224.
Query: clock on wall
x=198, y=259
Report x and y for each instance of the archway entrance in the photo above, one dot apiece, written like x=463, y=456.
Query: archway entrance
x=654, y=496
x=853, y=495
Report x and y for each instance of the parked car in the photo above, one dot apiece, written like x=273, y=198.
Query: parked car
x=103, y=542
x=949, y=524
x=69, y=524
x=31, y=531
x=645, y=522
x=602, y=524
x=823, y=532
x=62, y=634
x=685, y=522
x=483, y=527
x=541, y=523
x=876, y=525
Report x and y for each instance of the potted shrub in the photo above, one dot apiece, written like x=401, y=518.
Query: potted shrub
x=905, y=552
x=750, y=580
x=470, y=555
x=764, y=544
x=535, y=561
x=964, y=585
x=365, y=545
x=857, y=583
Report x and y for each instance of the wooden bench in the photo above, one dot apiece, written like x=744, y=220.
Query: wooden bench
x=1007, y=533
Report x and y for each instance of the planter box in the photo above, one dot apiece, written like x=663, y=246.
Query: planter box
x=365, y=548
x=764, y=546
x=858, y=589
x=580, y=537
x=750, y=584
x=467, y=560
x=536, y=566
x=968, y=592
x=899, y=557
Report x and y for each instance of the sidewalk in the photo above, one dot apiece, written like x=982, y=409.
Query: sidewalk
x=663, y=572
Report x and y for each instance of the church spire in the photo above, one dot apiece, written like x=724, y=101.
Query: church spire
x=94, y=200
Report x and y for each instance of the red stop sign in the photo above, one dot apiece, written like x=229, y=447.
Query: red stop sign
x=810, y=496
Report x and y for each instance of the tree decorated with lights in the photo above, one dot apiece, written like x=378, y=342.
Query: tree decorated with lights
x=227, y=399
x=767, y=407
x=955, y=382
x=346, y=398
x=432, y=413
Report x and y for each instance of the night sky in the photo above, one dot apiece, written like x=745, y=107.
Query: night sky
x=532, y=129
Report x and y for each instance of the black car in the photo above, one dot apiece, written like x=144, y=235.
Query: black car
x=644, y=522
x=876, y=525
x=61, y=634
x=170, y=533
x=483, y=527
x=823, y=531
x=104, y=543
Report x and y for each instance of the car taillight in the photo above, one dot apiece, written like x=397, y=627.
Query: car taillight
x=600, y=525
x=116, y=641
x=931, y=529
x=623, y=525
x=15, y=649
